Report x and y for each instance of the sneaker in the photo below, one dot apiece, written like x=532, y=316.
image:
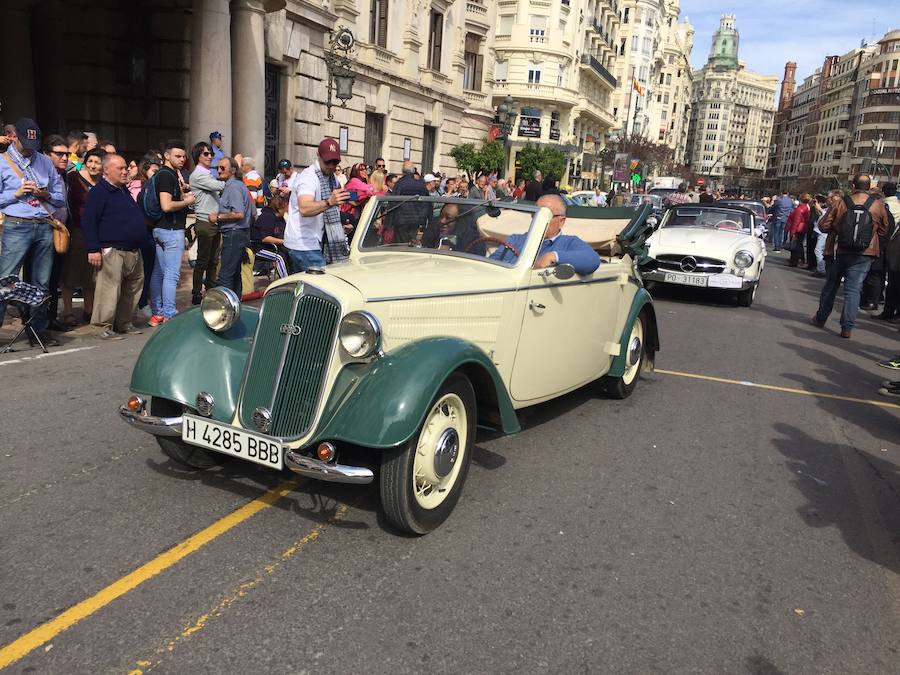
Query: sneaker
x=869, y=307
x=130, y=330
x=890, y=364
x=885, y=391
x=157, y=320
x=818, y=275
x=815, y=322
x=891, y=384
x=47, y=339
x=846, y=333
x=109, y=334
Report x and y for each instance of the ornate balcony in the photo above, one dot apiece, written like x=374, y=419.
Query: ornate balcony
x=477, y=14
x=593, y=66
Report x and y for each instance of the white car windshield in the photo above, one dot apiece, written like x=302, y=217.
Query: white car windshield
x=494, y=232
x=708, y=217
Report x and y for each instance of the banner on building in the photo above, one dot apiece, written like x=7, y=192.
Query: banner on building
x=620, y=167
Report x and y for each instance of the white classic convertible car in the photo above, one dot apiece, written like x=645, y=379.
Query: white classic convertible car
x=707, y=246
x=384, y=364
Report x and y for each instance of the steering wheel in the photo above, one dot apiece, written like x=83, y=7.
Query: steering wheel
x=495, y=240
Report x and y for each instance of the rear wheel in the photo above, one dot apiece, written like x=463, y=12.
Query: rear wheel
x=621, y=387
x=183, y=453
x=422, y=479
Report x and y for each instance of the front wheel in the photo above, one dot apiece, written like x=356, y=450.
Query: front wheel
x=183, y=453
x=745, y=298
x=622, y=387
x=422, y=479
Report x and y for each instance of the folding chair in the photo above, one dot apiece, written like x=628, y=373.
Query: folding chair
x=26, y=298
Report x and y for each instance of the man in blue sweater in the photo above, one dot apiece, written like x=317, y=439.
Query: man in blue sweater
x=557, y=248
x=114, y=229
x=781, y=209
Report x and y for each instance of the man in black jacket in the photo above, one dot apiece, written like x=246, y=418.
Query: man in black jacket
x=406, y=219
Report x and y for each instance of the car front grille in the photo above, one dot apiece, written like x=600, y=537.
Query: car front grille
x=289, y=361
x=683, y=263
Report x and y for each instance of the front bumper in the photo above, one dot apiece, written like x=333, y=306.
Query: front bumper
x=659, y=276
x=300, y=464
x=158, y=426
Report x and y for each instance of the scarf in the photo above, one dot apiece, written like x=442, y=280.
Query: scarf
x=334, y=241
x=24, y=164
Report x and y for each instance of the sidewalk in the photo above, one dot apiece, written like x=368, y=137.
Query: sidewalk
x=182, y=301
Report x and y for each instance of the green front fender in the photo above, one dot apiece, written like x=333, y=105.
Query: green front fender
x=641, y=301
x=184, y=357
x=382, y=403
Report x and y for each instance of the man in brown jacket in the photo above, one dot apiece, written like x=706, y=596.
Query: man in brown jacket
x=851, y=266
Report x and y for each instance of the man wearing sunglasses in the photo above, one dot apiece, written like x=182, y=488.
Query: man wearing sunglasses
x=206, y=190
x=314, y=234
x=235, y=214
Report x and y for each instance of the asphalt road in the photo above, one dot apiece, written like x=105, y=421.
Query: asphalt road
x=700, y=526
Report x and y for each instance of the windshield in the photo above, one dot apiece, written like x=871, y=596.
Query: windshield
x=652, y=199
x=489, y=231
x=713, y=218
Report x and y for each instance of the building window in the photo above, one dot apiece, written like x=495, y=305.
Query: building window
x=378, y=23
x=429, y=138
x=625, y=15
x=622, y=47
x=473, y=73
x=501, y=69
x=538, y=30
x=635, y=43
x=435, y=40
x=505, y=24
x=534, y=75
x=374, y=140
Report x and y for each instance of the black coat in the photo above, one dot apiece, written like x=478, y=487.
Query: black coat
x=406, y=219
x=892, y=246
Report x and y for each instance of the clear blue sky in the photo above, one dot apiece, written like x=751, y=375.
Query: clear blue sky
x=775, y=31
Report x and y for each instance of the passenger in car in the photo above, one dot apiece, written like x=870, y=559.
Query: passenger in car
x=557, y=248
x=453, y=231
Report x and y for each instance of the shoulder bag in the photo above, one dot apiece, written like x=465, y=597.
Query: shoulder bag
x=60, y=231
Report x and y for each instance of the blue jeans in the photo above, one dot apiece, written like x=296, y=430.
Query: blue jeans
x=233, y=244
x=18, y=240
x=303, y=260
x=820, y=252
x=166, y=271
x=853, y=268
x=778, y=232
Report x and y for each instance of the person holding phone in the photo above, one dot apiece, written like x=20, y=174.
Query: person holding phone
x=358, y=190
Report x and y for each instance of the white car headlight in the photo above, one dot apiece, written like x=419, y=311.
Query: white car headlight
x=360, y=335
x=221, y=308
x=743, y=259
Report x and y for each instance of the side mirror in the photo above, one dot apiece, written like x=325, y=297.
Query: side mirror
x=564, y=271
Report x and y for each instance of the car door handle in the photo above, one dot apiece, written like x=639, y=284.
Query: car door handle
x=535, y=305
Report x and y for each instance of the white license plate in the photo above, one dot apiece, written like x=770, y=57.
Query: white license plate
x=231, y=441
x=725, y=281
x=686, y=279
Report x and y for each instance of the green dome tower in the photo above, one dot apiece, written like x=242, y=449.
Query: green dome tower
x=723, y=55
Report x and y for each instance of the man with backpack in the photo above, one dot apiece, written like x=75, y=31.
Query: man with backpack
x=854, y=226
x=166, y=201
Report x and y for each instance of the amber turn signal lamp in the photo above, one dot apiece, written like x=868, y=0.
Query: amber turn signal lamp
x=325, y=452
x=135, y=404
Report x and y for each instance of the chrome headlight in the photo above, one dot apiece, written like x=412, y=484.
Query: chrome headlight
x=743, y=259
x=360, y=335
x=221, y=308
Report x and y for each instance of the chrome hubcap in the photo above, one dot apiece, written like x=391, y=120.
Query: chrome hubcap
x=634, y=351
x=446, y=452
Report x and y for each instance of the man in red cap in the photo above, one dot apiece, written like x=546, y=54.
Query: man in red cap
x=314, y=235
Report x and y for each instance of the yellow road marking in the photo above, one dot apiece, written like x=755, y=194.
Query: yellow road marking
x=145, y=665
x=33, y=639
x=772, y=387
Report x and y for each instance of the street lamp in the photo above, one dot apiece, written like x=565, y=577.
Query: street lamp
x=337, y=60
x=506, y=117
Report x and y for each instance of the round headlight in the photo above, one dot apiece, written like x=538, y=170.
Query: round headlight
x=743, y=259
x=221, y=308
x=360, y=335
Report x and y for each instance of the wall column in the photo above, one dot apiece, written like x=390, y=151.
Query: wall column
x=248, y=64
x=210, y=108
x=17, y=83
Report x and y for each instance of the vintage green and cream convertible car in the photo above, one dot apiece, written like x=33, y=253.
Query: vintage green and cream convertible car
x=394, y=357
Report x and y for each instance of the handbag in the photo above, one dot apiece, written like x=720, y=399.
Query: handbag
x=60, y=231
x=790, y=245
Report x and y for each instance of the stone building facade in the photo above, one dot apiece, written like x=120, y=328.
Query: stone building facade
x=555, y=59
x=141, y=72
x=654, y=51
x=732, y=114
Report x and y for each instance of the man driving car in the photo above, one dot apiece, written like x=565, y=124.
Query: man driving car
x=453, y=230
x=557, y=248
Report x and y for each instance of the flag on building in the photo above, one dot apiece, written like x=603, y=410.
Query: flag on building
x=638, y=88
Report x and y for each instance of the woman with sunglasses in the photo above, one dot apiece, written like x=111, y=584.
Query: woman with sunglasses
x=207, y=190
x=359, y=183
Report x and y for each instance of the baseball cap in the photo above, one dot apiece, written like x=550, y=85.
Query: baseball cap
x=329, y=150
x=285, y=164
x=215, y=134
x=430, y=177
x=29, y=134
